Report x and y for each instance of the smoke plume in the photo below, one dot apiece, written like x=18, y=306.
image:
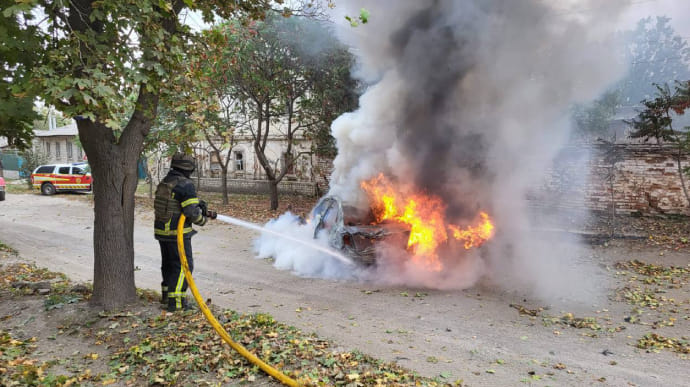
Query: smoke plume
x=469, y=101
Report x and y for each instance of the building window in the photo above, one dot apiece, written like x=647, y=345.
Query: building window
x=48, y=149
x=239, y=161
x=68, y=144
x=57, y=149
x=80, y=155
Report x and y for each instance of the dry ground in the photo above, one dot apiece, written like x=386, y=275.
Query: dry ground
x=481, y=336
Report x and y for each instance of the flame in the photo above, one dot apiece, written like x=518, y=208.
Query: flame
x=474, y=236
x=425, y=215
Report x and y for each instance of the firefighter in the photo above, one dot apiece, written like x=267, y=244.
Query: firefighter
x=176, y=195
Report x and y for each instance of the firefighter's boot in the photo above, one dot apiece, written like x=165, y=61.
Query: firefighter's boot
x=186, y=305
x=173, y=304
x=164, y=295
x=176, y=305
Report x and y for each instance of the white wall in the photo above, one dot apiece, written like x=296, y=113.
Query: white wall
x=41, y=144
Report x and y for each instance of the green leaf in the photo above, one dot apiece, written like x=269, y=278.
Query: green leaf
x=89, y=99
x=364, y=15
x=353, y=22
x=164, y=5
x=15, y=9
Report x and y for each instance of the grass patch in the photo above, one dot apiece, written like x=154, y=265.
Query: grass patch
x=15, y=187
x=6, y=250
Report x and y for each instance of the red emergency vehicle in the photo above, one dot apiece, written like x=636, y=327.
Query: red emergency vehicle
x=62, y=177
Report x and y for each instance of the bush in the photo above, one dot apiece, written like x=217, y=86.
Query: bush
x=32, y=159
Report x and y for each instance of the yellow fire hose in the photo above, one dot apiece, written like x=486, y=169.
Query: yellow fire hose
x=286, y=380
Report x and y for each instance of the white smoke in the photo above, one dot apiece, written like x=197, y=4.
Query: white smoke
x=470, y=101
x=298, y=251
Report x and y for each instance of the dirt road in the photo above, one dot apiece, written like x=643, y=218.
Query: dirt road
x=474, y=335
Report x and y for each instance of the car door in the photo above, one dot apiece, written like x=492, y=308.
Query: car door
x=63, y=178
x=80, y=179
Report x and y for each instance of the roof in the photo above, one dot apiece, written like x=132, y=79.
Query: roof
x=76, y=164
x=67, y=130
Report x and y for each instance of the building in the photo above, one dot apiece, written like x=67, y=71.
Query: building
x=244, y=163
x=60, y=145
x=245, y=173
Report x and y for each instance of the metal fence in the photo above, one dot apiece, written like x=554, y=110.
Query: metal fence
x=12, y=163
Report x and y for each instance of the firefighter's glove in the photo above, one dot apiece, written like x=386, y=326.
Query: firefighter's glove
x=211, y=214
x=204, y=207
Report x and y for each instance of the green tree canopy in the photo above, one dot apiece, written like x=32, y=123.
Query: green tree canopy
x=17, y=59
x=95, y=55
x=283, y=78
x=594, y=119
x=280, y=79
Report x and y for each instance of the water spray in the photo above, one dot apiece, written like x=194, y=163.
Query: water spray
x=252, y=226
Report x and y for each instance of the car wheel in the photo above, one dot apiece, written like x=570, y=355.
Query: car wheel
x=2, y=196
x=47, y=189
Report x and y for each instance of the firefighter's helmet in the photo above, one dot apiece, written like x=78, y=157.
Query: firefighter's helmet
x=183, y=162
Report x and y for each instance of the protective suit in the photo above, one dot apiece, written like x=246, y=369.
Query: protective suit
x=176, y=195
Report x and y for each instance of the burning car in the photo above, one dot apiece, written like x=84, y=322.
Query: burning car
x=353, y=231
x=413, y=222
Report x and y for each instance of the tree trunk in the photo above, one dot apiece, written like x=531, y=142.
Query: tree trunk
x=273, y=190
x=682, y=178
x=613, y=200
x=114, y=170
x=260, y=141
x=224, y=182
x=197, y=170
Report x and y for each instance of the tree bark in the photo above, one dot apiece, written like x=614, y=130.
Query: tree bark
x=612, y=178
x=114, y=170
x=679, y=155
x=681, y=174
x=260, y=148
x=224, y=182
x=113, y=164
x=273, y=189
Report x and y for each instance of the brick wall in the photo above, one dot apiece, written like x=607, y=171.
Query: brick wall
x=257, y=186
x=645, y=180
